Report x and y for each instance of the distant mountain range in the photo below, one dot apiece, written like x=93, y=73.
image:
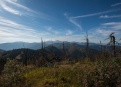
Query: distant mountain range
x=56, y=51
x=35, y=46
x=71, y=50
x=17, y=45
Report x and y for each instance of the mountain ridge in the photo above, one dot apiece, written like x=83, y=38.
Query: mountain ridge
x=37, y=45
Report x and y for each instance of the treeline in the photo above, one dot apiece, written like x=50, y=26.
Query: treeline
x=51, y=54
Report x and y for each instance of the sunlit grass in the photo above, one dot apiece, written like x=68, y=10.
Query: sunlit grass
x=82, y=73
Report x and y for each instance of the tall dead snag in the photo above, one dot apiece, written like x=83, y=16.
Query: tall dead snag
x=64, y=51
x=25, y=56
x=43, y=57
x=22, y=54
x=87, y=44
x=42, y=47
x=101, y=47
x=112, y=43
x=119, y=46
x=44, y=44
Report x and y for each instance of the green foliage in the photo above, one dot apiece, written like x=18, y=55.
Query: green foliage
x=11, y=75
x=83, y=73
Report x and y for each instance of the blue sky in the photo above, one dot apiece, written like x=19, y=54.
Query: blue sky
x=65, y=20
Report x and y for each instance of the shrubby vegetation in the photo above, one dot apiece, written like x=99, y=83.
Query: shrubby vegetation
x=82, y=73
x=12, y=74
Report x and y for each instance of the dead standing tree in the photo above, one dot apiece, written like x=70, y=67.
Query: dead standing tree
x=41, y=60
x=119, y=46
x=101, y=49
x=112, y=43
x=87, y=45
x=25, y=56
x=64, y=51
x=42, y=43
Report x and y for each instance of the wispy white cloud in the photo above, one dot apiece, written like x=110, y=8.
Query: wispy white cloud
x=95, y=14
x=71, y=38
x=19, y=32
x=13, y=25
x=113, y=25
x=106, y=28
x=11, y=6
x=73, y=21
x=52, y=30
x=4, y=6
x=107, y=16
x=116, y=4
x=55, y=32
x=14, y=7
x=13, y=30
x=14, y=2
x=103, y=31
x=7, y=32
x=69, y=32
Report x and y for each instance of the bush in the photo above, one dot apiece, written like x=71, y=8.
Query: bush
x=12, y=74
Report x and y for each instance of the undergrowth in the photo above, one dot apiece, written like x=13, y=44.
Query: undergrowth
x=83, y=73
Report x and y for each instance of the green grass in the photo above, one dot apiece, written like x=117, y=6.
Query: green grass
x=84, y=73
x=81, y=74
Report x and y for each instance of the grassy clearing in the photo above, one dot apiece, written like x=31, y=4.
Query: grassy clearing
x=83, y=73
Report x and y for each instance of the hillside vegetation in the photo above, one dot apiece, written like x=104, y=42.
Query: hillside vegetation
x=81, y=73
